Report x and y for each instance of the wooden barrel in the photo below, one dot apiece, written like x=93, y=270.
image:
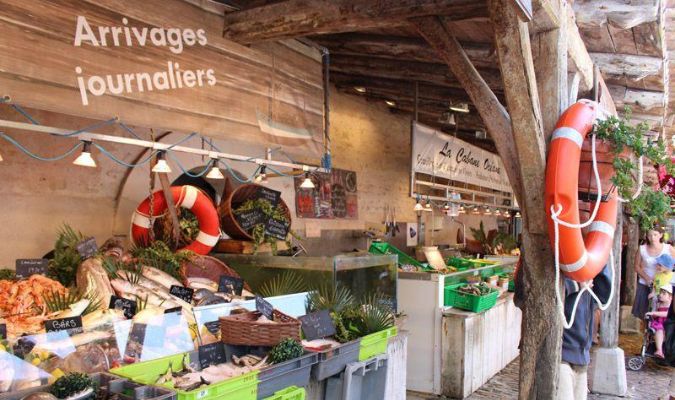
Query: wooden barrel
x=234, y=200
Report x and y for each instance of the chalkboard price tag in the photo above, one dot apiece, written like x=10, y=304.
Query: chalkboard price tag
x=213, y=327
x=3, y=331
x=277, y=229
x=273, y=196
x=128, y=306
x=182, y=293
x=264, y=307
x=317, y=325
x=230, y=285
x=70, y=324
x=211, y=354
x=87, y=248
x=173, y=310
x=247, y=220
x=25, y=267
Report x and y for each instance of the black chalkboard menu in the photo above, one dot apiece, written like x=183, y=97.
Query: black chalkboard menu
x=247, y=220
x=212, y=354
x=277, y=229
x=25, y=267
x=264, y=307
x=71, y=324
x=87, y=248
x=126, y=305
x=270, y=195
x=317, y=325
x=230, y=285
x=182, y=293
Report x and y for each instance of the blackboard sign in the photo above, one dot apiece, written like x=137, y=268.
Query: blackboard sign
x=213, y=327
x=211, y=354
x=87, y=248
x=25, y=267
x=317, y=325
x=128, y=306
x=182, y=293
x=264, y=307
x=277, y=229
x=173, y=310
x=247, y=220
x=3, y=331
x=270, y=195
x=230, y=285
x=70, y=324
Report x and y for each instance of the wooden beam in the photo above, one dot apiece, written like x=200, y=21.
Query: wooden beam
x=408, y=71
x=633, y=66
x=640, y=101
x=546, y=16
x=623, y=14
x=520, y=87
x=493, y=113
x=578, y=56
x=400, y=48
x=295, y=18
x=394, y=86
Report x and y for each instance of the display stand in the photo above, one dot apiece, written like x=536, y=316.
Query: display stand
x=453, y=352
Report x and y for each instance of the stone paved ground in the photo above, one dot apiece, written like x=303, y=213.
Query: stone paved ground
x=649, y=384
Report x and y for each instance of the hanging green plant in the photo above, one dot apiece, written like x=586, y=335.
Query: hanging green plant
x=650, y=206
x=277, y=213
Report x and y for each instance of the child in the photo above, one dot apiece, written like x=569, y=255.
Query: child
x=664, y=270
x=658, y=317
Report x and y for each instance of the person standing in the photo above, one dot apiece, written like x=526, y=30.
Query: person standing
x=646, y=268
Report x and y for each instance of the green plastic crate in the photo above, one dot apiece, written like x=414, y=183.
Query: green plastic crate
x=375, y=343
x=290, y=393
x=244, y=387
x=453, y=297
x=460, y=263
x=403, y=259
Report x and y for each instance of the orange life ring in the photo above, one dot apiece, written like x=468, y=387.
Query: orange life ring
x=188, y=197
x=582, y=257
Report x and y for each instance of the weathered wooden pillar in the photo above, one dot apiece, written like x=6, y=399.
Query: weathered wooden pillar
x=609, y=372
x=632, y=252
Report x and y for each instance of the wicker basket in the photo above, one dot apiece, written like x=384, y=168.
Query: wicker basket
x=243, y=329
x=207, y=267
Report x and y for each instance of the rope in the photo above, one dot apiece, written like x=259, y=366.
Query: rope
x=639, y=189
x=91, y=127
x=131, y=131
x=25, y=114
x=37, y=157
x=121, y=162
x=598, y=184
x=561, y=306
x=187, y=172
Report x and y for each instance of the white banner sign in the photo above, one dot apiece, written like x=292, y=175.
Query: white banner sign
x=445, y=156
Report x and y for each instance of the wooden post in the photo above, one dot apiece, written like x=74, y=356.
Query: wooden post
x=632, y=254
x=541, y=341
x=609, y=324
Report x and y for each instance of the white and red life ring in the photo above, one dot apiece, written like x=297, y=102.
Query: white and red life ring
x=188, y=197
x=582, y=256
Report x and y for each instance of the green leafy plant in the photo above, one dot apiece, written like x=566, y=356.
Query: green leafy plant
x=57, y=301
x=503, y=243
x=159, y=255
x=287, y=349
x=63, y=266
x=129, y=271
x=374, y=315
x=651, y=206
x=334, y=298
x=71, y=384
x=479, y=235
x=288, y=282
x=277, y=213
x=7, y=274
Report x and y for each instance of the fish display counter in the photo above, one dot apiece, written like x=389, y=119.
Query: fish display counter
x=452, y=351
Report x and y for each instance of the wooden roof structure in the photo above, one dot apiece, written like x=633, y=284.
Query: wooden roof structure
x=385, y=59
